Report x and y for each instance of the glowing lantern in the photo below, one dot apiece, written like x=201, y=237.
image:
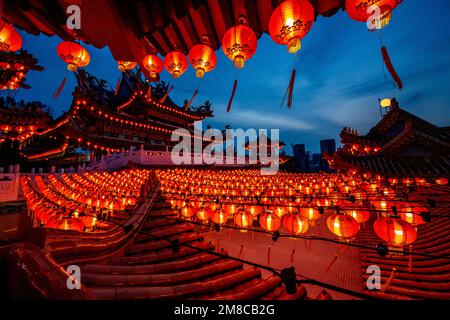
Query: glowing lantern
x=411, y=214
x=219, y=217
x=10, y=39
x=254, y=210
x=441, y=181
x=239, y=44
x=126, y=65
x=343, y=226
x=243, y=219
x=295, y=224
x=290, y=22
x=395, y=231
x=279, y=210
x=359, y=215
x=269, y=221
x=231, y=209
x=203, y=214
x=73, y=54
x=188, y=212
x=153, y=64
x=175, y=63
x=202, y=58
x=310, y=213
x=377, y=15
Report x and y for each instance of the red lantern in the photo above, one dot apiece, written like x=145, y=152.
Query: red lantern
x=343, y=226
x=153, y=64
x=411, y=214
x=310, y=213
x=126, y=65
x=202, y=58
x=243, y=219
x=188, y=212
x=269, y=221
x=10, y=39
x=239, y=44
x=175, y=63
x=362, y=10
x=290, y=22
x=219, y=217
x=441, y=181
x=295, y=224
x=203, y=214
x=395, y=231
x=73, y=54
x=359, y=215
x=254, y=210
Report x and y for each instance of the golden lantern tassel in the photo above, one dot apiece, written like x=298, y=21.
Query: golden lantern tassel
x=233, y=92
x=163, y=99
x=186, y=108
x=389, y=281
x=60, y=88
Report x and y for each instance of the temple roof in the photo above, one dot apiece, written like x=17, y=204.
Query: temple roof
x=132, y=29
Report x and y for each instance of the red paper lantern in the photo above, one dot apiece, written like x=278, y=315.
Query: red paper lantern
x=359, y=10
x=175, y=63
x=269, y=221
x=411, y=214
x=295, y=224
x=153, y=64
x=310, y=213
x=254, y=210
x=359, y=215
x=290, y=22
x=219, y=217
x=188, y=212
x=441, y=181
x=203, y=214
x=203, y=59
x=243, y=219
x=395, y=231
x=126, y=65
x=343, y=226
x=239, y=44
x=10, y=39
x=75, y=55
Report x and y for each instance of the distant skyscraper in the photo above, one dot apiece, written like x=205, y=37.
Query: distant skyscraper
x=301, y=156
x=329, y=146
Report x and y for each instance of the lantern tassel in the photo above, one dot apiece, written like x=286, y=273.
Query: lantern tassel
x=118, y=86
x=60, y=88
x=240, y=251
x=389, y=281
x=186, y=108
x=331, y=263
x=292, y=256
x=218, y=243
x=410, y=260
x=233, y=92
x=390, y=67
x=149, y=91
x=291, y=88
x=163, y=99
x=268, y=256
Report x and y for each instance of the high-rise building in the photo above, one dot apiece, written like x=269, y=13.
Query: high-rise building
x=301, y=157
x=329, y=146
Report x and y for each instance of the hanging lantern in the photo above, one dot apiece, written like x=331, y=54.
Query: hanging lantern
x=395, y=231
x=441, y=181
x=75, y=55
x=153, y=64
x=343, y=226
x=377, y=15
x=269, y=221
x=175, y=63
x=239, y=44
x=219, y=217
x=203, y=214
x=295, y=224
x=290, y=22
x=411, y=214
x=203, y=59
x=254, y=210
x=359, y=215
x=188, y=212
x=10, y=39
x=360, y=10
x=310, y=213
x=243, y=219
x=126, y=65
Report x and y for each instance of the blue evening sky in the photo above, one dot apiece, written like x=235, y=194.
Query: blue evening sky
x=339, y=76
